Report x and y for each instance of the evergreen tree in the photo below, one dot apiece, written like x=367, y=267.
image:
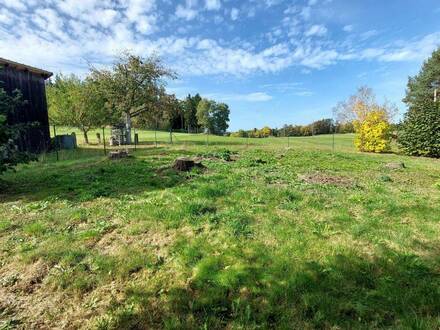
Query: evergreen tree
x=190, y=112
x=420, y=130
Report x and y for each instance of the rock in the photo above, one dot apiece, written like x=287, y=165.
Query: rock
x=185, y=164
x=395, y=166
x=117, y=154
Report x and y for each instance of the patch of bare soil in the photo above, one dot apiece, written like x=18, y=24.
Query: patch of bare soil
x=321, y=178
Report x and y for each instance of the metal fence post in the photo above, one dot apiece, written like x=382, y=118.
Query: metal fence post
x=103, y=140
x=56, y=142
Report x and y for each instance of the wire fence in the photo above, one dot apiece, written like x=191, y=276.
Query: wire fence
x=97, y=142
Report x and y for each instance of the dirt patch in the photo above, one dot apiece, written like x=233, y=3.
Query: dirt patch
x=321, y=178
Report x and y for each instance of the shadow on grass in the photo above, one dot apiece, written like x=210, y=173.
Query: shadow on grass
x=86, y=179
x=271, y=291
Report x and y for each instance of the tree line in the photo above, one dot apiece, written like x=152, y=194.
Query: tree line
x=132, y=92
x=322, y=126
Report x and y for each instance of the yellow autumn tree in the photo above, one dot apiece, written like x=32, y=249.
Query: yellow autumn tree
x=373, y=132
x=371, y=120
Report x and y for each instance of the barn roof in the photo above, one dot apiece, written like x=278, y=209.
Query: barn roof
x=23, y=67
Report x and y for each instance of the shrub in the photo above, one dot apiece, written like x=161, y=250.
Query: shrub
x=373, y=133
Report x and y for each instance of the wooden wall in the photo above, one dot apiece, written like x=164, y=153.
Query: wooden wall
x=34, y=110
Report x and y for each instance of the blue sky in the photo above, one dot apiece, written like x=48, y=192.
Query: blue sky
x=272, y=61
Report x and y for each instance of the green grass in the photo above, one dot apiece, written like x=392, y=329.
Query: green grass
x=277, y=237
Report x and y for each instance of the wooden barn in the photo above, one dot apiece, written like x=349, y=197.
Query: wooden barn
x=30, y=82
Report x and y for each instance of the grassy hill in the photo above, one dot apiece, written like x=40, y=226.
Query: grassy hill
x=275, y=237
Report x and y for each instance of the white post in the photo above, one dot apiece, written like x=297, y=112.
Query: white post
x=127, y=128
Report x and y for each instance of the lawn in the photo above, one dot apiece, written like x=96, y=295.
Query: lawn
x=265, y=236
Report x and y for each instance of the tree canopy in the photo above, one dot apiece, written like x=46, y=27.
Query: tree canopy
x=420, y=130
x=76, y=103
x=132, y=86
x=213, y=116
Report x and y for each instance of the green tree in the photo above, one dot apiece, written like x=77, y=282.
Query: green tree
x=420, y=130
x=213, y=116
x=204, y=118
x=76, y=103
x=132, y=86
x=190, y=111
x=10, y=155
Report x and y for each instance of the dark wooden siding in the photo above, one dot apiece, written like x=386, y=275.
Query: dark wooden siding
x=34, y=109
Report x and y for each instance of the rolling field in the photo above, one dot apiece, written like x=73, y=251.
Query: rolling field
x=265, y=236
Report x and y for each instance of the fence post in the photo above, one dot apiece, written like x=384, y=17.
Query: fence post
x=103, y=140
x=155, y=135
x=334, y=132
x=56, y=142
x=135, y=142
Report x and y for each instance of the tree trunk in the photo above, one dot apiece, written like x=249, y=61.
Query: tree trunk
x=127, y=128
x=86, y=137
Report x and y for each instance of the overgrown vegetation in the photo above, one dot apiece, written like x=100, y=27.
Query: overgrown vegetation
x=10, y=155
x=277, y=238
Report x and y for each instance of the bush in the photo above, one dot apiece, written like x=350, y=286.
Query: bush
x=373, y=133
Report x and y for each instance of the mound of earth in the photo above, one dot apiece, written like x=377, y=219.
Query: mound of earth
x=321, y=178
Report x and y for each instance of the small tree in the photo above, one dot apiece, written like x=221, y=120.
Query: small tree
x=420, y=130
x=76, y=103
x=373, y=133
x=10, y=155
x=371, y=120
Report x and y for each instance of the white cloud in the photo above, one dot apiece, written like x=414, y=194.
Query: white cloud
x=369, y=34
x=250, y=97
x=185, y=12
x=14, y=4
x=71, y=33
x=234, y=14
x=146, y=24
x=6, y=16
x=213, y=4
x=316, y=30
x=306, y=13
x=348, y=28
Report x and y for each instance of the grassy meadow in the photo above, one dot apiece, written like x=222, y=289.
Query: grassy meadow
x=270, y=234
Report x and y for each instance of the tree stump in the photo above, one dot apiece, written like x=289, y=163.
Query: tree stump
x=118, y=154
x=395, y=166
x=185, y=164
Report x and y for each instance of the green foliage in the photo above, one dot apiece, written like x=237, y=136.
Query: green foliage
x=213, y=116
x=190, y=111
x=10, y=155
x=134, y=86
x=420, y=130
x=76, y=103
